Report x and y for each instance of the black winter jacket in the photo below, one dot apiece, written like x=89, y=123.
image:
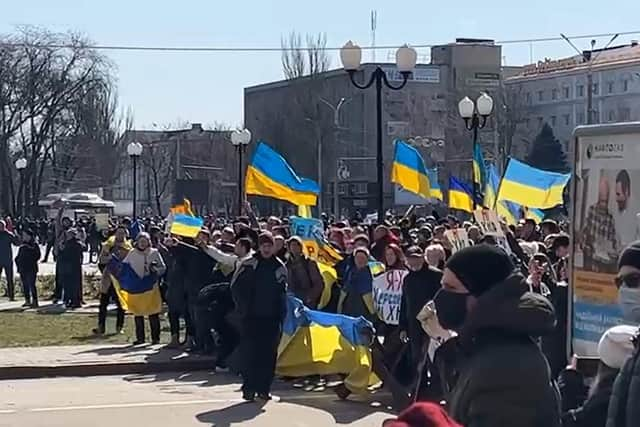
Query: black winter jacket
x=418, y=288
x=259, y=289
x=495, y=373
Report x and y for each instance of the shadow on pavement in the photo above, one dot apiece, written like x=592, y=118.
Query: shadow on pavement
x=233, y=414
x=198, y=378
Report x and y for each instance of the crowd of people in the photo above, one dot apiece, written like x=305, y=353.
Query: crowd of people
x=481, y=328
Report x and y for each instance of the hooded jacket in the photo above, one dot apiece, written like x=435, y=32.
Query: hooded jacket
x=497, y=375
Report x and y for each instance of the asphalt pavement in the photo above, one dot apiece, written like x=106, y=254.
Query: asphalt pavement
x=173, y=399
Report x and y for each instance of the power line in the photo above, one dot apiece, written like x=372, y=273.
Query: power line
x=186, y=49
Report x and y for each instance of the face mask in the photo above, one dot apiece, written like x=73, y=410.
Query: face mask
x=629, y=300
x=451, y=308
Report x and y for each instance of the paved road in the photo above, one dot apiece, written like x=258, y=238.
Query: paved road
x=163, y=400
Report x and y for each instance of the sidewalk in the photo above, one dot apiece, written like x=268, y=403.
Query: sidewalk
x=91, y=360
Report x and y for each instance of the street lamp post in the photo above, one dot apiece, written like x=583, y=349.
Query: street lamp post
x=406, y=57
x=475, y=117
x=21, y=165
x=134, y=149
x=240, y=139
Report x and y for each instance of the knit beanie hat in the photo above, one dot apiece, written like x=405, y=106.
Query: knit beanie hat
x=480, y=267
x=616, y=345
x=422, y=414
x=630, y=255
x=266, y=238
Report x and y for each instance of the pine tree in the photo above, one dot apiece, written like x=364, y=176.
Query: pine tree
x=547, y=152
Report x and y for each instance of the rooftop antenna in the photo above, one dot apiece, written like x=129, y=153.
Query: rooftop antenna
x=374, y=26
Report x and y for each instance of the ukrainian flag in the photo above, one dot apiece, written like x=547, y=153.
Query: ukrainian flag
x=532, y=187
x=435, y=191
x=479, y=172
x=460, y=195
x=408, y=170
x=318, y=343
x=138, y=295
x=186, y=226
x=509, y=211
x=270, y=175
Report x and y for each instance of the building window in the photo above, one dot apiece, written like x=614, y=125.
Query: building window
x=553, y=121
x=540, y=121
x=580, y=90
x=554, y=94
x=625, y=85
x=528, y=98
x=361, y=188
x=342, y=189
x=567, y=119
x=580, y=118
x=610, y=86
x=566, y=92
x=595, y=114
x=624, y=114
x=540, y=95
x=612, y=116
x=595, y=88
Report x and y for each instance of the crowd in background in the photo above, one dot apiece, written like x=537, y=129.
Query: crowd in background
x=228, y=285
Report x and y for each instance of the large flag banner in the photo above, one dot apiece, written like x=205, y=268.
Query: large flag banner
x=318, y=343
x=460, y=195
x=270, y=175
x=408, y=170
x=387, y=295
x=531, y=187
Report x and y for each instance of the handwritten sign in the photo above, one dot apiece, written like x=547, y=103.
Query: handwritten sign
x=458, y=239
x=311, y=231
x=387, y=295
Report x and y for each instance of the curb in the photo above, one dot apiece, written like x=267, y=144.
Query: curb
x=99, y=369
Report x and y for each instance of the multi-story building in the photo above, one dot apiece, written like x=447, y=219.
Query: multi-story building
x=195, y=163
x=300, y=118
x=556, y=92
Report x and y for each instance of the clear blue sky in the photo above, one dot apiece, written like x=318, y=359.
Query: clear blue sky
x=208, y=87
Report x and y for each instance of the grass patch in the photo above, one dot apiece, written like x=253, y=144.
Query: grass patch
x=39, y=329
x=47, y=284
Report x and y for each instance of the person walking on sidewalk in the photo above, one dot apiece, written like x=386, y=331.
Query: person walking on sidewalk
x=27, y=263
x=7, y=238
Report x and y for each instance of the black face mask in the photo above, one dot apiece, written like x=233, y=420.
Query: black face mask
x=451, y=308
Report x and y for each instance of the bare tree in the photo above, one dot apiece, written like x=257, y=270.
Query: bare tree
x=158, y=160
x=294, y=61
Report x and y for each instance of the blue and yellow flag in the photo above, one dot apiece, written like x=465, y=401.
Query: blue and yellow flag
x=532, y=187
x=318, y=343
x=435, y=191
x=186, y=226
x=138, y=295
x=509, y=211
x=460, y=195
x=304, y=211
x=479, y=172
x=270, y=175
x=408, y=170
